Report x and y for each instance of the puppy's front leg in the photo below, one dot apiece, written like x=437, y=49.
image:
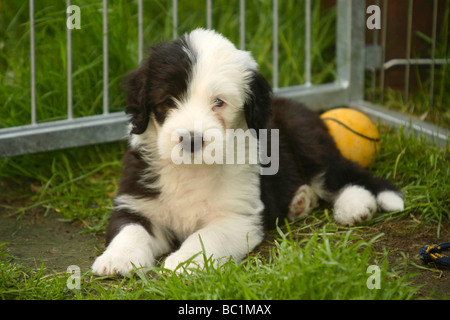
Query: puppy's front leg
x=233, y=236
x=132, y=246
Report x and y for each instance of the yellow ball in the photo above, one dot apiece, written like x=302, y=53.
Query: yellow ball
x=355, y=135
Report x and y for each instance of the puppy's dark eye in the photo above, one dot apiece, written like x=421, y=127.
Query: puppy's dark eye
x=219, y=103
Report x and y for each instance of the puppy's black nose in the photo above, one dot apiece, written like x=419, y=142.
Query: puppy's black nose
x=192, y=142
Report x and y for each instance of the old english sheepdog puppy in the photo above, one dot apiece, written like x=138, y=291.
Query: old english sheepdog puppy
x=214, y=159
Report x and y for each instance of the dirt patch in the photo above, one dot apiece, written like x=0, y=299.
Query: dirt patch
x=404, y=240
x=37, y=236
x=36, y=239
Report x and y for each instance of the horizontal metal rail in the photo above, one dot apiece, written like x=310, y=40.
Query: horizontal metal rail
x=409, y=62
x=63, y=134
x=434, y=134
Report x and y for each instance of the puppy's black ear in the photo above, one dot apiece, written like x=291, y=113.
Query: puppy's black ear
x=137, y=102
x=257, y=108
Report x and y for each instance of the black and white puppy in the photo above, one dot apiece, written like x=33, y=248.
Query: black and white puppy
x=179, y=194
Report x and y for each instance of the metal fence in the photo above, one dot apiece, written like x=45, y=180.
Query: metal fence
x=382, y=64
x=347, y=89
x=378, y=65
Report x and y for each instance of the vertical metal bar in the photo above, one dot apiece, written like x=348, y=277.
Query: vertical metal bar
x=105, y=57
x=32, y=64
x=350, y=47
x=275, y=45
x=308, y=42
x=140, y=30
x=343, y=41
x=174, y=19
x=357, y=52
x=374, y=71
x=384, y=27
x=208, y=14
x=242, y=24
x=69, y=68
x=408, y=49
x=433, y=52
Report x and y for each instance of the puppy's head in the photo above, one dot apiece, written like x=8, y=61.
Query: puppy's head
x=197, y=83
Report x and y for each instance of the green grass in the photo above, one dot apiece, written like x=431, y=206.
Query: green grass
x=320, y=267
x=422, y=171
x=78, y=184
x=314, y=259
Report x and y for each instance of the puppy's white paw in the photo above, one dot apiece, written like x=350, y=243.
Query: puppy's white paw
x=303, y=202
x=180, y=261
x=354, y=205
x=130, y=247
x=390, y=201
x=121, y=261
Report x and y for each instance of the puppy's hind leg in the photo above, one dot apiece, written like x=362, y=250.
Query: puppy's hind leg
x=303, y=203
x=354, y=205
x=390, y=200
x=355, y=193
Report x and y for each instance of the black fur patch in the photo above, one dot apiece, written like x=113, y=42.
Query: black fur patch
x=257, y=108
x=161, y=77
x=307, y=150
x=137, y=179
